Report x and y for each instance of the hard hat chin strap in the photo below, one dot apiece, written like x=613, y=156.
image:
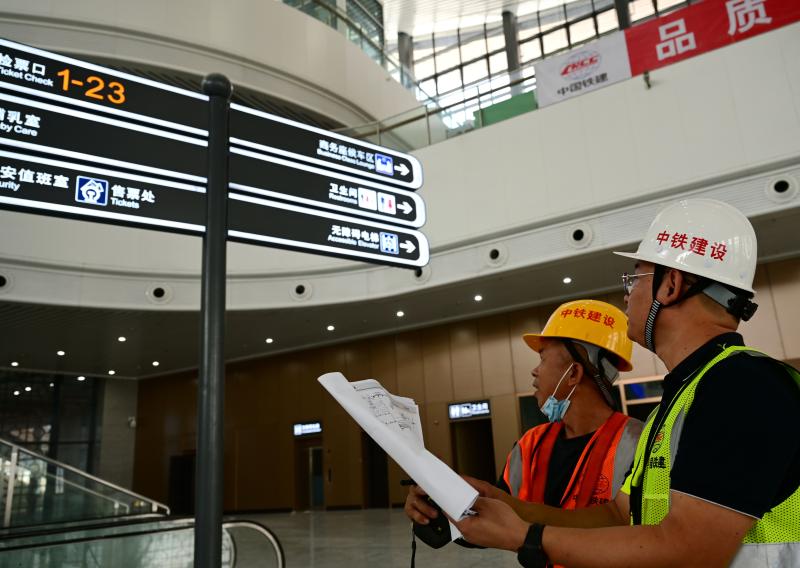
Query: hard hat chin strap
x=655, y=307
x=602, y=371
x=738, y=304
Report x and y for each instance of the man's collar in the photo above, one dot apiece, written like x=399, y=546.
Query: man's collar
x=704, y=354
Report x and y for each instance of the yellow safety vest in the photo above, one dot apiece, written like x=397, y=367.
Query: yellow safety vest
x=772, y=541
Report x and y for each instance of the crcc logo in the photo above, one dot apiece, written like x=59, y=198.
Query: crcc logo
x=581, y=65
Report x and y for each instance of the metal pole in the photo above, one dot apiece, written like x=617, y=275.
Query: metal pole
x=12, y=481
x=428, y=124
x=208, y=492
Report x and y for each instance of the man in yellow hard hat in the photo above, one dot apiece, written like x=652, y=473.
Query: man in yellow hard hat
x=716, y=479
x=580, y=457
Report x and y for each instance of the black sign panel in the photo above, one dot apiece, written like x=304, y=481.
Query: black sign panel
x=275, y=135
x=54, y=187
x=276, y=178
x=66, y=80
x=40, y=126
x=284, y=225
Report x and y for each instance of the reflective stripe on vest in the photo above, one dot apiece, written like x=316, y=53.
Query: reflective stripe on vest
x=519, y=471
x=772, y=541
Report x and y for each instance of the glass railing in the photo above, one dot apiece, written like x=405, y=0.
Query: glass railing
x=38, y=490
x=455, y=115
x=165, y=543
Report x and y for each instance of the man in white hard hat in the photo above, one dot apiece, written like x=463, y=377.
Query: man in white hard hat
x=716, y=478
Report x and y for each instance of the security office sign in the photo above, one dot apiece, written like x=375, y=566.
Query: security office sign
x=35, y=184
x=264, y=132
x=590, y=67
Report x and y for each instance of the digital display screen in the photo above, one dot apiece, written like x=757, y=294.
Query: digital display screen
x=307, y=428
x=469, y=409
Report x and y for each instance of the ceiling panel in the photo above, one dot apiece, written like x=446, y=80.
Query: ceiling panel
x=31, y=334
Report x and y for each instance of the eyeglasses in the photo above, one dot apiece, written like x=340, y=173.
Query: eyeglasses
x=628, y=280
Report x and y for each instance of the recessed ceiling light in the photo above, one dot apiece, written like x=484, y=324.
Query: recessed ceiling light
x=16, y=393
x=60, y=353
x=331, y=328
x=156, y=363
x=81, y=378
x=52, y=385
x=112, y=372
x=27, y=389
x=14, y=364
x=269, y=340
x=567, y=280
x=478, y=297
x=122, y=339
x=400, y=313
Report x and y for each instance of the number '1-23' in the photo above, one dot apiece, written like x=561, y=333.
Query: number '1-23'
x=95, y=85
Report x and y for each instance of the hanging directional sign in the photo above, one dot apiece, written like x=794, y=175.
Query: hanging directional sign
x=83, y=141
x=276, y=178
x=54, y=187
x=252, y=219
x=32, y=71
x=266, y=132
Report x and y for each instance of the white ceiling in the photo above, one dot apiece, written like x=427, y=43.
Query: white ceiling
x=31, y=334
x=420, y=17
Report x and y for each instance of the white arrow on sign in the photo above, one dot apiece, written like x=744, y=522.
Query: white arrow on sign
x=405, y=206
x=402, y=168
x=408, y=246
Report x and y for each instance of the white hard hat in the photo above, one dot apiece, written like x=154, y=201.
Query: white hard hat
x=704, y=237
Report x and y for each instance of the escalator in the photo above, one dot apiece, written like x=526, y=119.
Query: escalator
x=55, y=515
x=166, y=542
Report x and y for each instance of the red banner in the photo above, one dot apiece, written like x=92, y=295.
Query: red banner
x=699, y=28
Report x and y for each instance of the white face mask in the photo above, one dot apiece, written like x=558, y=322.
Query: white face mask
x=556, y=409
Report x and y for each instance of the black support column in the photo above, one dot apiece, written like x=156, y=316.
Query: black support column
x=405, y=50
x=211, y=386
x=511, y=36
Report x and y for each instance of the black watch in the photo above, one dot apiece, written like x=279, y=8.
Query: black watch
x=531, y=554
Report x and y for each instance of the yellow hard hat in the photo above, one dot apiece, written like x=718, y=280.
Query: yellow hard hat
x=590, y=321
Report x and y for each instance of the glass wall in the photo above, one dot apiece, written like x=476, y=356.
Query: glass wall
x=54, y=415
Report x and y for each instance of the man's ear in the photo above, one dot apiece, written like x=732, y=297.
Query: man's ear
x=576, y=374
x=670, y=290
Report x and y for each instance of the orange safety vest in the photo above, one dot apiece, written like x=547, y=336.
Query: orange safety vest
x=598, y=475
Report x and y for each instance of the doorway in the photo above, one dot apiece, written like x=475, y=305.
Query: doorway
x=375, y=473
x=309, y=486
x=473, y=448
x=180, y=492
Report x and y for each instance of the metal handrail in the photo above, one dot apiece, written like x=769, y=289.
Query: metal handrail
x=178, y=524
x=441, y=109
x=13, y=472
x=382, y=129
x=258, y=527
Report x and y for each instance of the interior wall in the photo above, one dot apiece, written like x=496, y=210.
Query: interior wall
x=483, y=358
